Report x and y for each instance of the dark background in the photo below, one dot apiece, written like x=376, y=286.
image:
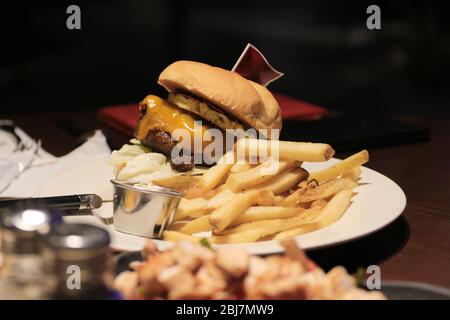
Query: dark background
x=328, y=55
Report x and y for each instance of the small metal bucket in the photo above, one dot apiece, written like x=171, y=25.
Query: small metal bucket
x=141, y=211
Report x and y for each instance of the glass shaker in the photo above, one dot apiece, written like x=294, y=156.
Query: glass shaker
x=77, y=261
x=21, y=232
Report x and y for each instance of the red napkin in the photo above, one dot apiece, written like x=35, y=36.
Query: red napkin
x=124, y=117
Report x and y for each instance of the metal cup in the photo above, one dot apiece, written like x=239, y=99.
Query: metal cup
x=141, y=211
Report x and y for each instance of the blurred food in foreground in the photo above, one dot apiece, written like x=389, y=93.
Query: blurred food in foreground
x=190, y=271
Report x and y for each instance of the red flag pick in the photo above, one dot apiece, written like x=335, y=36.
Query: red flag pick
x=253, y=66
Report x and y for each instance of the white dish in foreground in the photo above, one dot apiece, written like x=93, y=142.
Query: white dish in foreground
x=378, y=202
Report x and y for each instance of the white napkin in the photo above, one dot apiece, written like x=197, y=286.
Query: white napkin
x=16, y=156
x=44, y=165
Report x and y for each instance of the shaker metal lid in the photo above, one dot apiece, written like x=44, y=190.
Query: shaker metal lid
x=30, y=220
x=22, y=230
x=77, y=236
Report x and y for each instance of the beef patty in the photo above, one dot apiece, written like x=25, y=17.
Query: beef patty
x=161, y=141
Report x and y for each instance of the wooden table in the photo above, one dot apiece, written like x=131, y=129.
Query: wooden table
x=415, y=247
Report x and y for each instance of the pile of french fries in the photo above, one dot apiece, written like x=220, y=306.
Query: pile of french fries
x=270, y=198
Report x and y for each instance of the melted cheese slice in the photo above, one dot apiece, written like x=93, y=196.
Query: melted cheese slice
x=161, y=114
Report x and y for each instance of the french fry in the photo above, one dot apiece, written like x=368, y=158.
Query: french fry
x=319, y=203
x=178, y=182
x=292, y=233
x=195, y=226
x=292, y=200
x=265, y=213
x=213, y=192
x=284, y=181
x=266, y=198
x=175, y=236
x=272, y=226
x=340, y=168
x=308, y=214
x=215, y=174
x=224, y=216
x=334, y=210
x=242, y=181
x=220, y=199
x=199, y=213
x=327, y=189
x=240, y=167
x=198, y=207
x=287, y=150
x=193, y=190
x=187, y=207
x=240, y=237
x=352, y=173
x=278, y=199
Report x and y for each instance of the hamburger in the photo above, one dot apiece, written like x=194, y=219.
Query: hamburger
x=219, y=98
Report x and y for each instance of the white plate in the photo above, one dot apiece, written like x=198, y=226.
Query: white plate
x=378, y=202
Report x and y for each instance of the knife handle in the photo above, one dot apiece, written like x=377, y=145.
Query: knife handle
x=65, y=203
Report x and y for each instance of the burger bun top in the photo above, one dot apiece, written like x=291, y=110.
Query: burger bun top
x=247, y=101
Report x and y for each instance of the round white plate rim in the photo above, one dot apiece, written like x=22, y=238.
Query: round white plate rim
x=264, y=247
